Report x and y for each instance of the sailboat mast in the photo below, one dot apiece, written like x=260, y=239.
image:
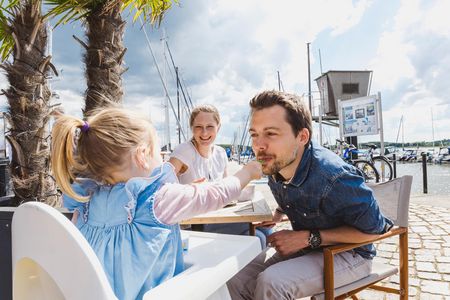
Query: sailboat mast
x=432, y=126
x=166, y=102
x=403, y=135
x=279, y=81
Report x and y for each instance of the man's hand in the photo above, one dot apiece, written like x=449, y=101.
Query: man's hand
x=288, y=242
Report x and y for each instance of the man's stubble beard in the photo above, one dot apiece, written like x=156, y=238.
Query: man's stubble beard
x=280, y=164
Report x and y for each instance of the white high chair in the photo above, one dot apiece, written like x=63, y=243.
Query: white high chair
x=51, y=259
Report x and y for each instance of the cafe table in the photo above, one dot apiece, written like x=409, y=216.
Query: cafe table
x=251, y=211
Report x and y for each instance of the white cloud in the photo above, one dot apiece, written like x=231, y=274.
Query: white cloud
x=237, y=47
x=411, y=63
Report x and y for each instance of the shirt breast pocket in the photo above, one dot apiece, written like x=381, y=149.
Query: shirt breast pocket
x=307, y=213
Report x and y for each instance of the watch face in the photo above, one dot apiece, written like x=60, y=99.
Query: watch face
x=315, y=240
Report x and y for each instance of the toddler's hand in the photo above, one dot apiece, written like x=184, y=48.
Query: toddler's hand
x=254, y=169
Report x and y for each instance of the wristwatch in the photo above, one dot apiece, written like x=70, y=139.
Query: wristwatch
x=314, y=240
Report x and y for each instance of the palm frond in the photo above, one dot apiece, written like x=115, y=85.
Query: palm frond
x=151, y=10
x=70, y=10
x=7, y=10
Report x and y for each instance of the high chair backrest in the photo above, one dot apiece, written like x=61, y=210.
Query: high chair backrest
x=51, y=259
x=393, y=198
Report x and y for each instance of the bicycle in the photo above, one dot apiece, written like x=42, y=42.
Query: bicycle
x=381, y=163
x=367, y=168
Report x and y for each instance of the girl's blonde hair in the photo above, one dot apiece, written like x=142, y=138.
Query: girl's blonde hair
x=208, y=108
x=97, y=147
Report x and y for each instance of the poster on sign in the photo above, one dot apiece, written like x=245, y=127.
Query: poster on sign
x=358, y=116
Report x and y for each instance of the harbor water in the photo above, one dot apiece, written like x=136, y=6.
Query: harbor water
x=438, y=177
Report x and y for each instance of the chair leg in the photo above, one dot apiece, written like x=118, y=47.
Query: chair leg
x=354, y=297
x=328, y=274
x=403, y=245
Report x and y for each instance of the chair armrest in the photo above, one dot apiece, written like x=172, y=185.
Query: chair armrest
x=330, y=251
x=334, y=249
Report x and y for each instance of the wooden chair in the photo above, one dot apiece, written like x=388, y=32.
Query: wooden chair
x=393, y=199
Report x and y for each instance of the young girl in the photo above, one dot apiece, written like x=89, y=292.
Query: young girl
x=129, y=204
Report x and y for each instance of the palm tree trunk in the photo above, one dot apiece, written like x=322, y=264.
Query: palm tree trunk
x=28, y=97
x=104, y=56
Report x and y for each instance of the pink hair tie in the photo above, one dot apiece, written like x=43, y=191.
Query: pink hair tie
x=85, y=127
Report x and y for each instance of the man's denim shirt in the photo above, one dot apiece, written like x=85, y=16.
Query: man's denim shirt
x=326, y=192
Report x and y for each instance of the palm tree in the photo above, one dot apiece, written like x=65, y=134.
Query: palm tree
x=104, y=47
x=23, y=33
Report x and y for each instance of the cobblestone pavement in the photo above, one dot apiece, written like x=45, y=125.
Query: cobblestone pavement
x=429, y=255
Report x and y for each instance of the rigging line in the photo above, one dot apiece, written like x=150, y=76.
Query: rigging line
x=160, y=76
x=169, y=67
x=174, y=66
x=187, y=92
x=244, y=133
x=184, y=96
x=180, y=85
x=248, y=145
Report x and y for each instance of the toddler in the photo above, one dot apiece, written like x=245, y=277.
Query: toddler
x=126, y=202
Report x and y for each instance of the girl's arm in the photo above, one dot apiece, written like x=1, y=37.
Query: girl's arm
x=177, y=202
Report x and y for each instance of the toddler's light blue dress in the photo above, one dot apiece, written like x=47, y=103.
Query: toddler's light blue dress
x=136, y=250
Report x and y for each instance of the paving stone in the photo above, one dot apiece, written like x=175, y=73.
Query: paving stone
x=385, y=254
x=427, y=258
x=426, y=296
x=415, y=246
x=412, y=241
x=429, y=275
x=425, y=266
x=443, y=268
x=418, y=223
x=414, y=282
x=412, y=292
x=394, y=262
x=435, y=287
x=429, y=251
x=432, y=246
x=419, y=229
x=431, y=239
x=387, y=247
x=438, y=232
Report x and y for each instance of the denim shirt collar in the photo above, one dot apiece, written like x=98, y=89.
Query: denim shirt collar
x=301, y=173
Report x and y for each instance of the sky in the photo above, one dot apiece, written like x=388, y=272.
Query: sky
x=228, y=51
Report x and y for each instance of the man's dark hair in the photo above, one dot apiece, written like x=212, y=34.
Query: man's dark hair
x=297, y=114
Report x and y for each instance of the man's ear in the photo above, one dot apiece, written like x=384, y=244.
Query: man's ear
x=303, y=136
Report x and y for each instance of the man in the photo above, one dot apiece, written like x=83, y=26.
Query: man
x=324, y=198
